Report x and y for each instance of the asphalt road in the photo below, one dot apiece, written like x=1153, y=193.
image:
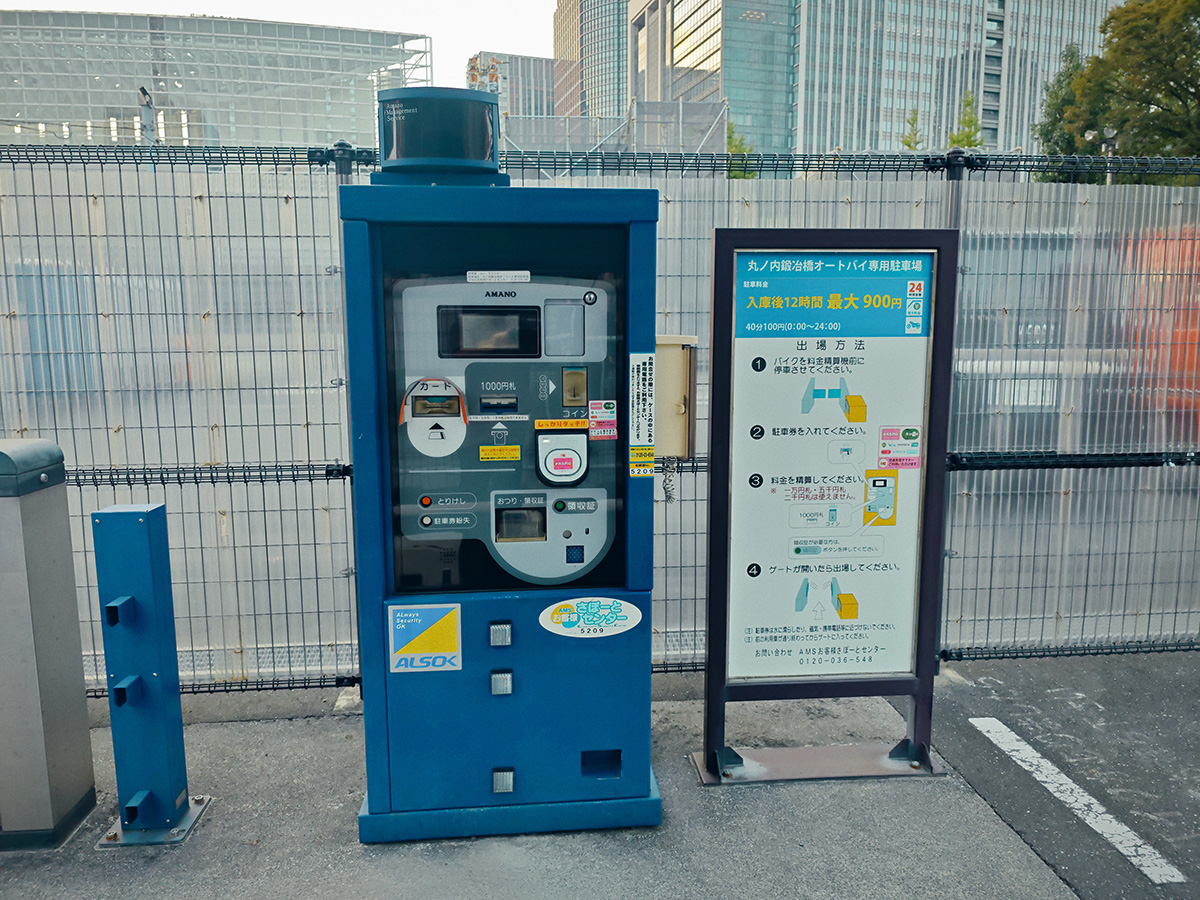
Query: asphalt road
x=1122, y=728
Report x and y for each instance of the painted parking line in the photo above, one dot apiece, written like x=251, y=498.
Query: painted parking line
x=1080, y=802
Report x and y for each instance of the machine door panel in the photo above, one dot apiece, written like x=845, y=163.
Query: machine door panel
x=563, y=733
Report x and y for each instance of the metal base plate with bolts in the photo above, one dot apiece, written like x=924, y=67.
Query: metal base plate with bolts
x=812, y=764
x=142, y=837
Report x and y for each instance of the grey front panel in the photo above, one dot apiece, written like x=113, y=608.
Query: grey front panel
x=504, y=454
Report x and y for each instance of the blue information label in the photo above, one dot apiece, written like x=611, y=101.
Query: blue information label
x=828, y=293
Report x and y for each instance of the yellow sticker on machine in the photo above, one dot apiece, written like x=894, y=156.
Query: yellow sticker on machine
x=488, y=454
x=641, y=470
x=542, y=424
x=641, y=454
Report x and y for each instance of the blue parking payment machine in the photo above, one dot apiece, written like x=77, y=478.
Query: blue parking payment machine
x=501, y=391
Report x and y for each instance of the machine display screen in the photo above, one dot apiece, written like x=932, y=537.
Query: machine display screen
x=482, y=331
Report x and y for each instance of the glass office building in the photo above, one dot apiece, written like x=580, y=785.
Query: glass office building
x=843, y=75
x=590, y=54
x=76, y=77
x=719, y=50
x=568, y=86
x=863, y=65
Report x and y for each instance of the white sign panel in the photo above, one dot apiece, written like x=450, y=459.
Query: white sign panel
x=831, y=356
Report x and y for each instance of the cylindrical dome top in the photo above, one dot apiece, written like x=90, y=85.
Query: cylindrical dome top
x=438, y=128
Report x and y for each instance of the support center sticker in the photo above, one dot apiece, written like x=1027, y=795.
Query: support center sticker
x=590, y=617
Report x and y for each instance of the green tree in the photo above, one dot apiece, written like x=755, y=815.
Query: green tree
x=1146, y=81
x=1145, y=84
x=1058, y=97
x=968, y=133
x=912, y=139
x=737, y=143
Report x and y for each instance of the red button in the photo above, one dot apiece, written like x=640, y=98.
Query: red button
x=425, y=501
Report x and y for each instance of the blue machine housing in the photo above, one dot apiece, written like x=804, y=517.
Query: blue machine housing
x=568, y=745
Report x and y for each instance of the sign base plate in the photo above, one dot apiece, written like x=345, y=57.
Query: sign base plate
x=813, y=763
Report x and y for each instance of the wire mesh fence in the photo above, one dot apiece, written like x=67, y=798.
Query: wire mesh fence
x=172, y=319
x=1072, y=558
x=174, y=323
x=1077, y=365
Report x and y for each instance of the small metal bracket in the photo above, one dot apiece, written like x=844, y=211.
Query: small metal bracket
x=728, y=760
x=916, y=754
x=120, y=611
x=128, y=690
x=135, y=837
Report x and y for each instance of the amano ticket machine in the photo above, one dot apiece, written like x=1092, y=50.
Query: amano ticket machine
x=501, y=391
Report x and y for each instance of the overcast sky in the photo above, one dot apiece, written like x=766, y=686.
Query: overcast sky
x=459, y=28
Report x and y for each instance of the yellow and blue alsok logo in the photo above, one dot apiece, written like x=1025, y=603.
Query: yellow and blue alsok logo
x=425, y=638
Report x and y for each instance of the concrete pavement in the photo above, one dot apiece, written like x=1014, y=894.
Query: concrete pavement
x=288, y=779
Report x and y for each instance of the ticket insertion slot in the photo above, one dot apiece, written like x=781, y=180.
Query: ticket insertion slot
x=435, y=406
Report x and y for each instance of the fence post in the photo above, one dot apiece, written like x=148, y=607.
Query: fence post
x=956, y=164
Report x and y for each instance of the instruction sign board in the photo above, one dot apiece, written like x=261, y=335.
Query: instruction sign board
x=829, y=397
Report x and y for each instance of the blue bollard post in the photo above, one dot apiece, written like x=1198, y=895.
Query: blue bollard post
x=133, y=573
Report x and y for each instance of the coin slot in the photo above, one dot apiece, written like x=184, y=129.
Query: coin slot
x=575, y=387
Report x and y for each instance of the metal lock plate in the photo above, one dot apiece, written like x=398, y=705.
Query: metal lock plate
x=502, y=683
x=501, y=634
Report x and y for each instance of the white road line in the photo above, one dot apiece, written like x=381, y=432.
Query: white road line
x=1080, y=802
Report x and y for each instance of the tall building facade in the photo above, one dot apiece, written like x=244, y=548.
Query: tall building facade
x=757, y=73
x=862, y=66
x=650, y=70
x=719, y=51
x=77, y=77
x=813, y=76
x=524, y=85
x=568, y=86
x=590, y=58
